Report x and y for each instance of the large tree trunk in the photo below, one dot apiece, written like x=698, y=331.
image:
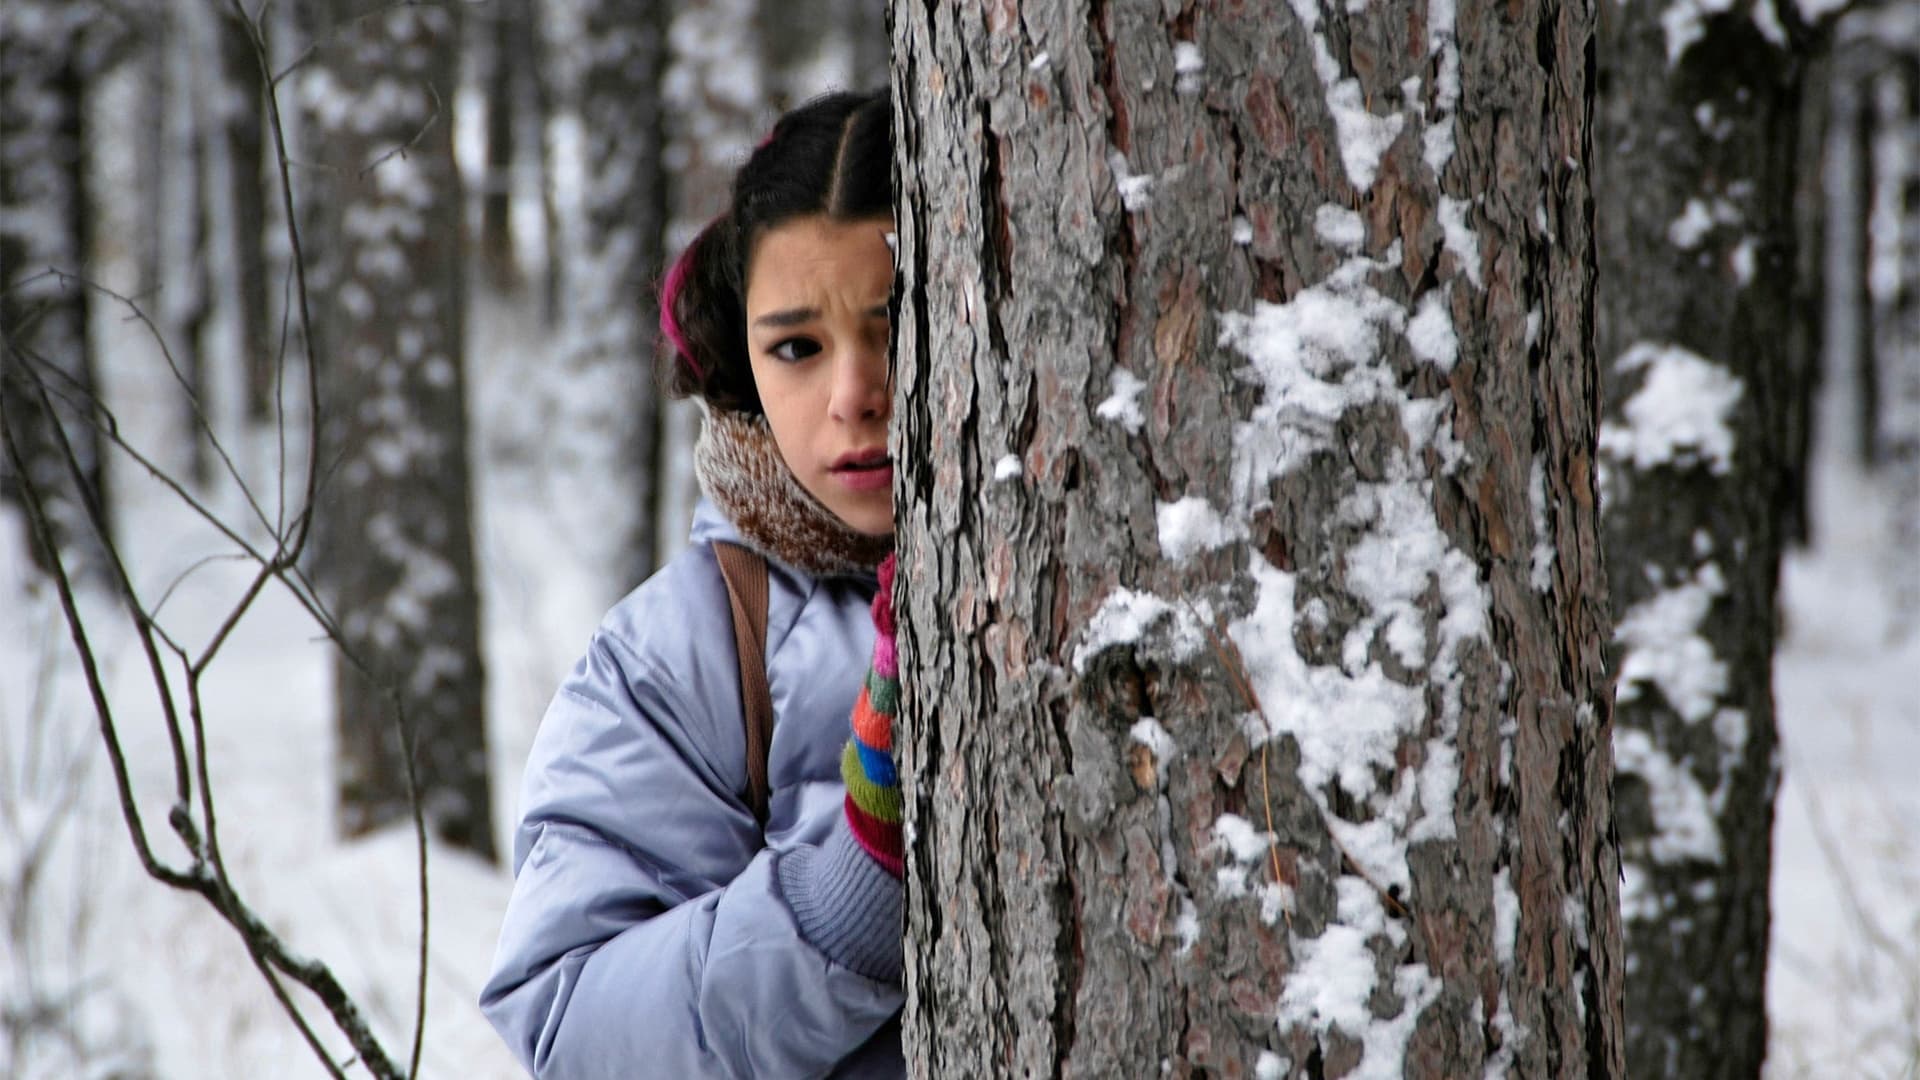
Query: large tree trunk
x=509, y=29
x=716, y=105
x=1697, y=129
x=394, y=524
x=612, y=279
x=1255, y=339
x=184, y=301
x=243, y=197
x=44, y=344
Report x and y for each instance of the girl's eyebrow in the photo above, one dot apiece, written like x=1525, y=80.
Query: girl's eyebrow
x=880, y=311
x=789, y=317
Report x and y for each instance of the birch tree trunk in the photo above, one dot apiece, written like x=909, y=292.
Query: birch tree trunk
x=1255, y=719
x=44, y=236
x=1698, y=131
x=394, y=523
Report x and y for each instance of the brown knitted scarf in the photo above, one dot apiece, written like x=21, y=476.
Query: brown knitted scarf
x=741, y=470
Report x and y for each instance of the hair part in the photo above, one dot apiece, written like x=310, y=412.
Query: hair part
x=832, y=156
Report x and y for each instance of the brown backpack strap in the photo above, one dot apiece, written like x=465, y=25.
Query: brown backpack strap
x=745, y=572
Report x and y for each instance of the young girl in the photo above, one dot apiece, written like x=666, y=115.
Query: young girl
x=659, y=926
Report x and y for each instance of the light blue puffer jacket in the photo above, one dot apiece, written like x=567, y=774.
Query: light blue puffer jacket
x=652, y=932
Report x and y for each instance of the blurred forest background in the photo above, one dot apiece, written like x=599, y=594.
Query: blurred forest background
x=210, y=223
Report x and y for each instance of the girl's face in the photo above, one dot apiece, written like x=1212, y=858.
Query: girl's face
x=817, y=293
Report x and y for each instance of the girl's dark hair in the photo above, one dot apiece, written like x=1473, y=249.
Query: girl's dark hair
x=831, y=156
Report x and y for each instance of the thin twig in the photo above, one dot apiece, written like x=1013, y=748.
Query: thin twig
x=402, y=149
x=136, y=312
x=96, y=687
x=301, y=528
x=288, y=556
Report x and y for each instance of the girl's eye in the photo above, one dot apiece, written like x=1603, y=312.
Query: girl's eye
x=794, y=350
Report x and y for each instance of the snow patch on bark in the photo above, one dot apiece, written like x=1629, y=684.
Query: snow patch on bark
x=1437, y=140
x=1685, y=24
x=1333, y=982
x=1459, y=238
x=1125, y=617
x=1339, y=226
x=1188, y=64
x=1363, y=136
x=1544, y=553
x=1123, y=403
x=1316, y=355
x=1683, y=812
x=1506, y=916
x=1192, y=525
x=1698, y=218
x=1679, y=414
x=1239, y=836
x=1430, y=332
x=1664, y=647
x=1148, y=733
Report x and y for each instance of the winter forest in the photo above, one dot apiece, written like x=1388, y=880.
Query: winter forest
x=1409, y=517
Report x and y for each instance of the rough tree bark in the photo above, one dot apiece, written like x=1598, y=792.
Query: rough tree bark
x=44, y=234
x=1251, y=336
x=393, y=528
x=1705, y=412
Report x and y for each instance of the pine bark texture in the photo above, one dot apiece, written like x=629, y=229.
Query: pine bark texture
x=394, y=522
x=1696, y=168
x=1092, y=196
x=44, y=233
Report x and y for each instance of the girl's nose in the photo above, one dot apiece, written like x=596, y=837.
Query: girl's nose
x=860, y=390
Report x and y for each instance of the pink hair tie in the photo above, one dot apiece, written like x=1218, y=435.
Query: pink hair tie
x=669, y=292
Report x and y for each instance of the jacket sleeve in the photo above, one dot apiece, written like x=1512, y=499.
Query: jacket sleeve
x=649, y=931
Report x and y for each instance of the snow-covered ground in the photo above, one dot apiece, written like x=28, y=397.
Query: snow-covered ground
x=1843, y=989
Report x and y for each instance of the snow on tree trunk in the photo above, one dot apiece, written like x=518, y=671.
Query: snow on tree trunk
x=716, y=105
x=394, y=524
x=1696, y=136
x=1255, y=338
x=612, y=276
x=43, y=257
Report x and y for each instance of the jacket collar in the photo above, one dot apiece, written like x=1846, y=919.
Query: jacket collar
x=741, y=470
